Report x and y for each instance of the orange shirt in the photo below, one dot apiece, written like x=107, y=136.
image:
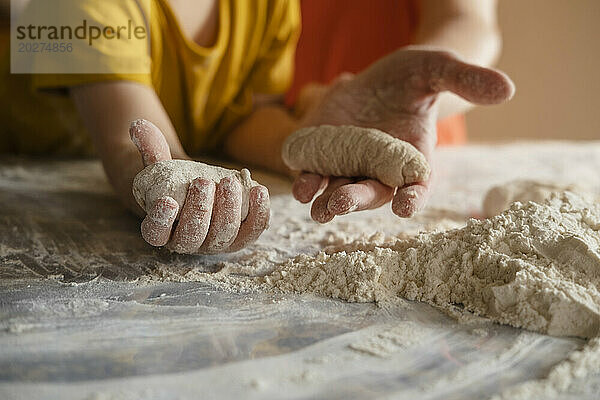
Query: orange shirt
x=348, y=35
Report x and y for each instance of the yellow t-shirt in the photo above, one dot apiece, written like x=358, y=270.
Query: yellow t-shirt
x=205, y=90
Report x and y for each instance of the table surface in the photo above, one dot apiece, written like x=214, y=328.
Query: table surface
x=80, y=319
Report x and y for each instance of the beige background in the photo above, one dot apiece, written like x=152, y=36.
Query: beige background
x=552, y=52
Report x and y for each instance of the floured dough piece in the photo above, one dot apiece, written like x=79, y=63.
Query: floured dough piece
x=173, y=177
x=500, y=197
x=354, y=151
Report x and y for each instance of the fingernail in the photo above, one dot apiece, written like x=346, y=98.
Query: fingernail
x=202, y=186
x=134, y=128
x=342, y=205
x=262, y=193
x=410, y=194
x=323, y=216
x=404, y=209
x=229, y=182
x=408, y=205
x=137, y=127
x=165, y=211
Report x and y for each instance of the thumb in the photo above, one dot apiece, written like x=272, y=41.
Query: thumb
x=473, y=83
x=150, y=141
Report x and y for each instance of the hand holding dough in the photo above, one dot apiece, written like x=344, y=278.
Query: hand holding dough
x=173, y=177
x=191, y=207
x=355, y=152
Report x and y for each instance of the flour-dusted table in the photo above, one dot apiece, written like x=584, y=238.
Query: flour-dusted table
x=79, y=317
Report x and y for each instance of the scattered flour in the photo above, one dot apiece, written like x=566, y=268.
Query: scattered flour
x=534, y=266
x=391, y=339
x=173, y=177
x=332, y=150
x=561, y=378
x=258, y=384
x=568, y=220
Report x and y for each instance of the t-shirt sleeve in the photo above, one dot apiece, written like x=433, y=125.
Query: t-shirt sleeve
x=118, y=56
x=274, y=68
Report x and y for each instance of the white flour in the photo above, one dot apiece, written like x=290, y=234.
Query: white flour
x=535, y=266
x=389, y=340
x=98, y=241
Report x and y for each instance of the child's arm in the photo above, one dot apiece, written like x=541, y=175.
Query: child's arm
x=258, y=139
x=107, y=109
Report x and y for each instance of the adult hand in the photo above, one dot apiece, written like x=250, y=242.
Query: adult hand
x=397, y=95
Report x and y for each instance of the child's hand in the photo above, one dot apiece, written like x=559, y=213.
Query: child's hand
x=210, y=220
x=397, y=95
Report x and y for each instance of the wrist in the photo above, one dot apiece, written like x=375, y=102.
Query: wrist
x=258, y=139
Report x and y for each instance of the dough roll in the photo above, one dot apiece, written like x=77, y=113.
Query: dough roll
x=355, y=152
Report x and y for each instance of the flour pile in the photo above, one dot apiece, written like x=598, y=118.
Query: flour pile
x=534, y=266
